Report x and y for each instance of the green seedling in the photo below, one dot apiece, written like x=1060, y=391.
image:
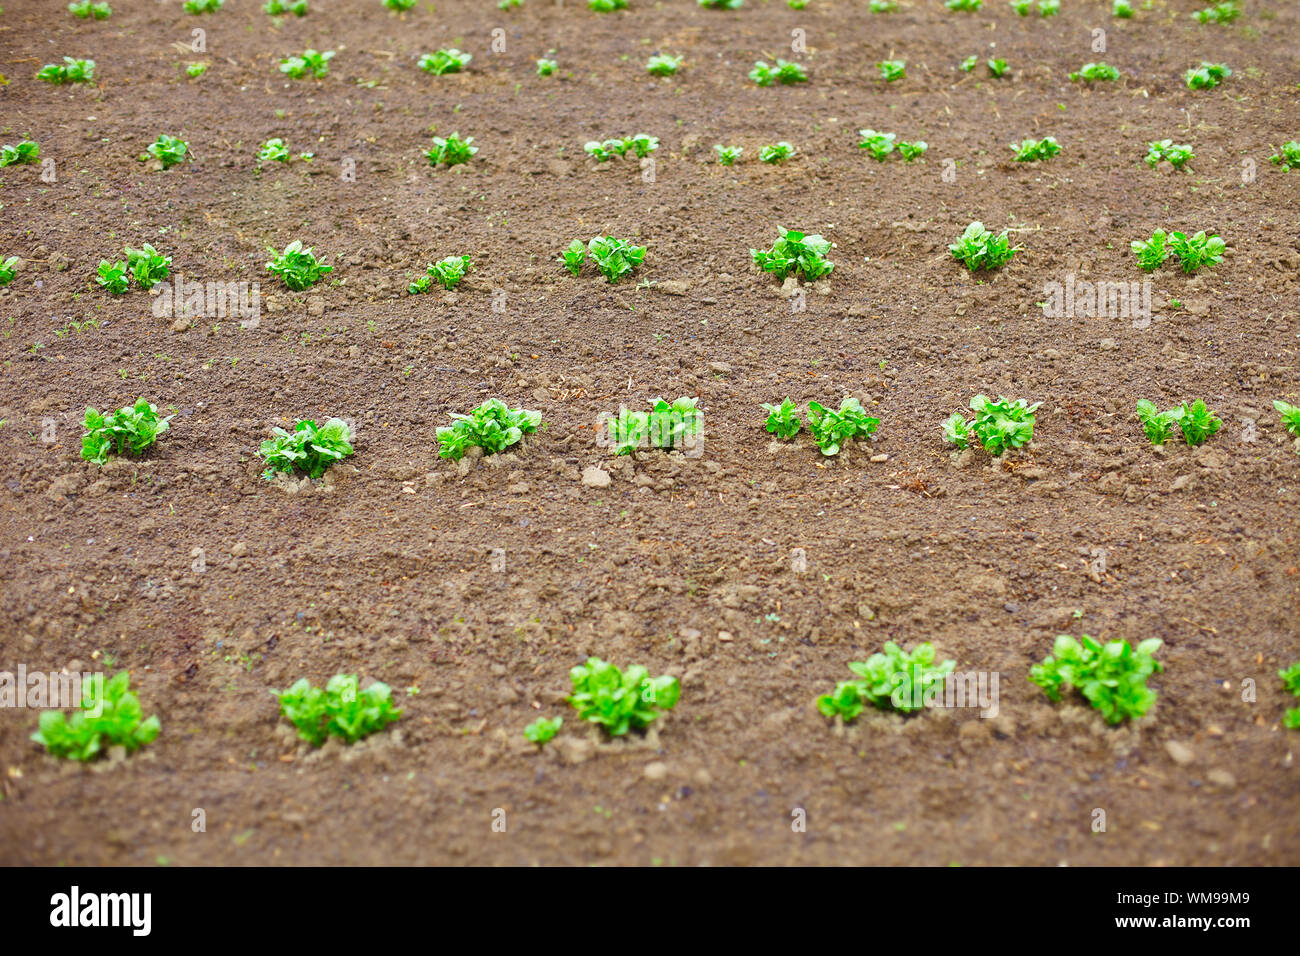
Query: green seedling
x=1165, y=149
x=607, y=6
x=509, y=4
x=892, y=680
x=667, y=425
x=110, y=716
x=148, y=266
x=445, y=61
x=1288, y=157
x=85, y=9
x=620, y=700
x=1197, y=422
x=1049, y=8
x=1095, y=73
x=203, y=6
x=447, y=272
x=784, y=73
x=8, y=269
x=340, y=710
x=546, y=67
x=727, y=155
x=996, y=425
x=400, y=5
x=968, y=64
x=1196, y=251
x=277, y=8
x=722, y=4
x=879, y=145
x=168, y=150
x=997, y=67
x=891, y=70
x=1290, y=415
x=830, y=429
x=69, y=71
x=493, y=426
x=195, y=70
x=542, y=730
x=797, y=253
x=776, y=153
x=311, y=61
x=273, y=151
x=298, y=268
x=1153, y=252
x=1021, y=7
x=912, y=151
x=614, y=258
x=127, y=431
x=783, y=420
x=663, y=64
x=1206, y=76
x=1158, y=425
x=574, y=256
x=1291, y=682
x=451, y=151
x=977, y=248
x=968, y=6
x=24, y=152
x=1033, y=151
x=1122, y=10
x=1224, y=12
x=882, y=6
x=309, y=448
x=1112, y=676
x=113, y=276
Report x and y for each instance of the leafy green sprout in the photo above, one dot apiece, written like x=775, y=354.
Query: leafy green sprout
x=546, y=67
x=879, y=145
x=1288, y=157
x=727, y=155
x=8, y=269
x=831, y=428
x=614, y=258
x=1291, y=682
x=796, y=253
x=977, y=248
x=113, y=276
x=195, y=70
x=1196, y=251
x=126, y=432
x=619, y=700
x=882, y=6
x=1206, y=76
x=1290, y=415
x=1112, y=677
x=1151, y=253
x=203, y=6
x=782, y=420
x=451, y=151
x=893, y=680
x=1095, y=73
x=776, y=153
x=1121, y=10
x=447, y=272
x=996, y=425
x=492, y=426
x=891, y=70
x=663, y=64
x=110, y=716
x=148, y=266
x=509, y=4
x=309, y=448
x=722, y=4
x=1196, y=422
x=997, y=66
x=1021, y=7
x=607, y=6
x=1224, y=12
x=668, y=425
x=968, y=6
x=297, y=267
x=1158, y=425
x=168, y=150
x=1033, y=151
x=443, y=62
x=783, y=72
x=574, y=255
x=278, y=8
x=543, y=730
x=85, y=9
x=340, y=709
x=912, y=151
x=968, y=64
x=400, y=5
x=311, y=61
x=1167, y=150
x=71, y=70
x=25, y=152
x=1049, y=8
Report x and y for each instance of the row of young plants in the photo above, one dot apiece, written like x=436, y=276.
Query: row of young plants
x=1111, y=677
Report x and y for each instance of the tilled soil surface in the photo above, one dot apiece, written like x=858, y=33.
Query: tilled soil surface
x=472, y=589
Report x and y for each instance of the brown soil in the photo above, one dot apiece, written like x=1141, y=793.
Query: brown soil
x=387, y=570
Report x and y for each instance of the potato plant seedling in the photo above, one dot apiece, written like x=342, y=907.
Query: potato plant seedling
x=446, y=272
x=277, y=8
x=892, y=70
x=543, y=730
x=1223, y=12
x=890, y=680
x=309, y=448
x=796, y=253
x=1196, y=422
x=727, y=155
x=311, y=61
x=69, y=71
x=997, y=425
x=614, y=257
x=1035, y=150
x=86, y=9
x=168, y=150
x=784, y=73
x=668, y=425
x=1206, y=76
x=297, y=266
x=831, y=428
x=1290, y=415
x=451, y=150
x=977, y=248
x=493, y=427
x=619, y=700
x=340, y=709
x=546, y=67
x=776, y=153
x=443, y=62
x=8, y=269
x=24, y=152
x=111, y=717
x=1112, y=677
x=1100, y=72
x=663, y=64
x=1288, y=157
x=1166, y=150
x=126, y=432
x=1192, y=252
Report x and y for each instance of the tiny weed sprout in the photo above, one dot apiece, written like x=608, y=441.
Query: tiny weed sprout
x=113, y=276
x=24, y=152
x=1224, y=12
x=1290, y=415
x=309, y=448
x=69, y=71
x=340, y=710
x=668, y=425
x=912, y=151
x=614, y=258
x=997, y=425
x=997, y=66
x=776, y=153
x=783, y=420
x=1095, y=73
x=277, y=8
x=607, y=6
x=1151, y=253
x=1122, y=10
x=968, y=64
x=879, y=145
x=298, y=268
x=574, y=256
x=620, y=700
x=1112, y=676
x=722, y=4
x=311, y=61
x=451, y=151
x=110, y=716
x=969, y=6
x=1165, y=149
x=127, y=431
x=891, y=70
x=148, y=266
x=784, y=73
x=1158, y=425
x=830, y=429
x=1196, y=251
x=400, y=5
x=1206, y=76
x=86, y=9
x=882, y=6
x=977, y=248
x=8, y=269
x=543, y=730
x=493, y=426
x=546, y=67
x=168, y=150
x=797, y=253
x=892, y=680
x=663, y=64
x=1033, y=151
x=203, y=6
x=195, y=70
x=444, y=61
x=1288, y=157
x=727, y=155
